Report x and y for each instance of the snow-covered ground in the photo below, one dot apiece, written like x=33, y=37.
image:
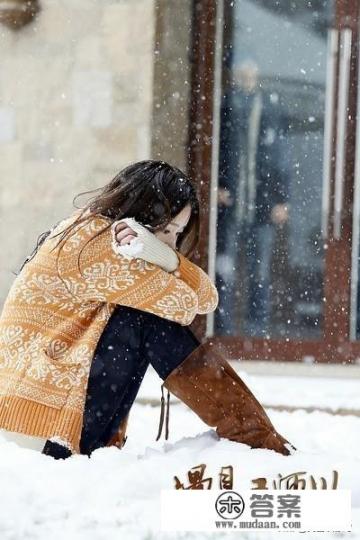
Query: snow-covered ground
x=116, y=494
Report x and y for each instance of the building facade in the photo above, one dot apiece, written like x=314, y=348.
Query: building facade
x=256, y=100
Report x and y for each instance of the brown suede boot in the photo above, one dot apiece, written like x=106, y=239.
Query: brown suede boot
x=207, y=384
x=119, y=439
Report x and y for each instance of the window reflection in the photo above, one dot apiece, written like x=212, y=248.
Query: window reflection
x=269, y=264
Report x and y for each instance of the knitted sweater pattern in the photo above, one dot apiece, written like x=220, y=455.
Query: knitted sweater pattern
x=56, y=311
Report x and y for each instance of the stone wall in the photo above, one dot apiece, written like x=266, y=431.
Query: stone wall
x=172, y=81
x=76, y=99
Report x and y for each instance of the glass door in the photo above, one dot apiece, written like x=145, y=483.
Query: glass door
x=284, y=264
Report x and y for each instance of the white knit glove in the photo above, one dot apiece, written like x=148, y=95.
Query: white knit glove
x=145, y=246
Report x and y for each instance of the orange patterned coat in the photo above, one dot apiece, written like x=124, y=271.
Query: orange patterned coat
x=56, y=311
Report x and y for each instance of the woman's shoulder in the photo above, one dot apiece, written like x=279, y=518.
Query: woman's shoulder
x=92, y=234
x=88, y=223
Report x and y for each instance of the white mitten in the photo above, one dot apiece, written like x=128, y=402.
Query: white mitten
x=145, y=246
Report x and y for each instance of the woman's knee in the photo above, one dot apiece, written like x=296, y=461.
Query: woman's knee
x=164, y=343
x=167, y=344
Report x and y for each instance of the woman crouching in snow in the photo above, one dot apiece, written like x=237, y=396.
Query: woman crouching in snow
x=107, y=291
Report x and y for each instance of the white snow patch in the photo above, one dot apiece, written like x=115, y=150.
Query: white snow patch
x=117, y=492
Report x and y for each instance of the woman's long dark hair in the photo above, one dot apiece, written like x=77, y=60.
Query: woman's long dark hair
x=153, y=192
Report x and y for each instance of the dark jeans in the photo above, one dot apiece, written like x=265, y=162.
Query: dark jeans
x=131, y=340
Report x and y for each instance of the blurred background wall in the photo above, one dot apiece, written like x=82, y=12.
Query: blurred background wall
x=85, y=88
x=172, y=81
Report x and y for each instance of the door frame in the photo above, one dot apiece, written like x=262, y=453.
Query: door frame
x=335, y=346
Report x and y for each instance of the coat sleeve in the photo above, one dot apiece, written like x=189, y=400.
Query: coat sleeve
x=199, y=281
x=93, y=270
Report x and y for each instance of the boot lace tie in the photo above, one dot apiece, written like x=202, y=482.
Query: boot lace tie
x=162, y=411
